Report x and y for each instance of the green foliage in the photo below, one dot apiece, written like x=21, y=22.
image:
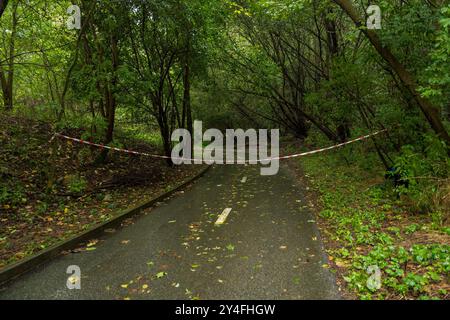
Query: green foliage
x=437, y=75
x=357, y=216
x=76, y=184
x=392, y=261
x=412, y=228
x=140, y=68
x=11, y=196
x=425, y=166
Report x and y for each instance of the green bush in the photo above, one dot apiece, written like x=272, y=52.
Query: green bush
x=11, y=196
x=425, y=167
x=76, y=184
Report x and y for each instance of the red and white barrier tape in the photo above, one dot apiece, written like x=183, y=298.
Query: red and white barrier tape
x=101, y=146
x=330, y=148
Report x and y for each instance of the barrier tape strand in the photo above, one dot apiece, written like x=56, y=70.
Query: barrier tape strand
x=101, y=146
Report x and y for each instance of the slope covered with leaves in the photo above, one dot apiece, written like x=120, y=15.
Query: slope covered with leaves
x=49, y=191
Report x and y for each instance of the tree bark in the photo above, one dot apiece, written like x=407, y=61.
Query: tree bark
x=187, y=111
x=111, y=101
x=7, y=77
x=112, y=98
x=3, y=5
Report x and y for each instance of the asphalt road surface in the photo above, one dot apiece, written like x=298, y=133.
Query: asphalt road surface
x=268, y=248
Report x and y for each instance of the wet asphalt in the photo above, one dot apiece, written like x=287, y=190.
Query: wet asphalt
x=269, y=248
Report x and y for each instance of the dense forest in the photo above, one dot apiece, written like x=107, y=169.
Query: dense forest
x=128, y=73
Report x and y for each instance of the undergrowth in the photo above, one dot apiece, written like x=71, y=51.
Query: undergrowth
x=369, y=227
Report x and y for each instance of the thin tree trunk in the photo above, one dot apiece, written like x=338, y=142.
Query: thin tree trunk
x=3, y=5
x=7, y=77
x=187, y=111
x=112, y=102
x=74, y=62
x=110, y=99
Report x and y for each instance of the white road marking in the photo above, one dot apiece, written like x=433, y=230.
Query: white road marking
x=244, y=180
x=223, y=217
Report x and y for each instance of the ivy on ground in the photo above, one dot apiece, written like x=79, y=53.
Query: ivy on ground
x=364, y=224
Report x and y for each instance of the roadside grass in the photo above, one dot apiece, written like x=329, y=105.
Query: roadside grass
x=365, y=225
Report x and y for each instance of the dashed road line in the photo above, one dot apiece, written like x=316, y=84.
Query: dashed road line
x=223, y=217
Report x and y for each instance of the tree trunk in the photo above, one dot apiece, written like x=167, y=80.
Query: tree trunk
x=111, y=102
x=7, y=77
x=187, y=111
x=7, y=93
x=3, y=5
x=343, y=127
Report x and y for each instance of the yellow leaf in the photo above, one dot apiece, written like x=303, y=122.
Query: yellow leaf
x=341, y=263
x=92, y=243
x=74, y=279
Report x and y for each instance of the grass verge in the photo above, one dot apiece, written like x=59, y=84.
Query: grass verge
x=367, y=230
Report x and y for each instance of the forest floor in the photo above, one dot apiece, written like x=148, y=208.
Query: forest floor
x=364, y=224
x=49, y=192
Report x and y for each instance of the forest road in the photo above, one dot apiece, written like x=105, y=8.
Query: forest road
x=267, y=248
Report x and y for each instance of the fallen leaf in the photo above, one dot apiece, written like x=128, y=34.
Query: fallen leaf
x=92, y=243
x=74, y=279
x=160, y=275
x=341, y=264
